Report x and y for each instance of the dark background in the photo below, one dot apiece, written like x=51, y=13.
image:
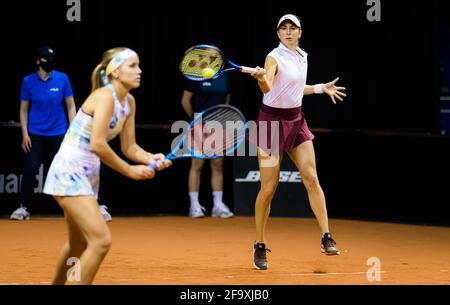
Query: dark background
x=391, y=68
x=379, y=153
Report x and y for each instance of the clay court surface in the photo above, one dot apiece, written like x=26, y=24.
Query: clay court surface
x=181, y=250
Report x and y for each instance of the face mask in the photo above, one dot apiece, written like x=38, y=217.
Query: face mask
x=48, y=65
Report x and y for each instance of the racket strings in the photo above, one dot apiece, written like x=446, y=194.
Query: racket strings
x=215, y=147
x=233, y=125
x=196, y=60
x=228, y=129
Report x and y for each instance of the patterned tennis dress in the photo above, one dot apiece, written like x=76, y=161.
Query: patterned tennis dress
x=75, y=170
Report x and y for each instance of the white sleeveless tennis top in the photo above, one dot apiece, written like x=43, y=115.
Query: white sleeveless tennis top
x=79, y=133
x=75, y=170
x=290, y=80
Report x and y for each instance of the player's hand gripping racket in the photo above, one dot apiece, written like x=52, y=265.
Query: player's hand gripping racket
x=214, y=133
x=204, y=61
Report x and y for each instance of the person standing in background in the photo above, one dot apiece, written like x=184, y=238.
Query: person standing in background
x=198, y=96
x=44, y=95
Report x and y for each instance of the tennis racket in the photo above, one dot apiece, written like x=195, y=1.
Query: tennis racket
x=214, y=133
x=201, y=57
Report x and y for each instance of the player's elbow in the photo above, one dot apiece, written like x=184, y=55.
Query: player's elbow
x=265, y=89
x=98, y=146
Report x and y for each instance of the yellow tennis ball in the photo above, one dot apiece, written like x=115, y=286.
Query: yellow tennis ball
x=208, y=73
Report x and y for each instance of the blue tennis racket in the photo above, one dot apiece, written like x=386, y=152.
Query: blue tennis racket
x=214, y=133
x=204, y=61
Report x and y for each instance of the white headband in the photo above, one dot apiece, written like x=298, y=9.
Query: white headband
x=118, y=60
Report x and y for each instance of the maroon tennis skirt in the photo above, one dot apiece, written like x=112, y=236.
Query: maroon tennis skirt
x=280, y=130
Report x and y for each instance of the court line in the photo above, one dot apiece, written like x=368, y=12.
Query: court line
x=312, y=274
x=336, y=273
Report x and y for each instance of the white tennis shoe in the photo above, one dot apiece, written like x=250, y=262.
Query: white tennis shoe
x=20, y=214
x=221, y=211
x=196, y=211
x=106, y=216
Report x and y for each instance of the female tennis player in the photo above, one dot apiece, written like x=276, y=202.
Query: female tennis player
x=284, y=84
x=73, y=177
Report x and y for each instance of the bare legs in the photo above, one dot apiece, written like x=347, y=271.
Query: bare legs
x=89, y=238
x=269, y=168
x=303, y=157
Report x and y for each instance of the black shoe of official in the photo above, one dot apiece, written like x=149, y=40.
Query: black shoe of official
x=259, y=256
x=328, y=245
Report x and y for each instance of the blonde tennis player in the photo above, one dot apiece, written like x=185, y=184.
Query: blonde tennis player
x=73, y=177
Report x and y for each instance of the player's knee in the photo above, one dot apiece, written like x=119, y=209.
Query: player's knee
x=102, y=244
x=105, y=245
x=310, y=180
x=267, y=192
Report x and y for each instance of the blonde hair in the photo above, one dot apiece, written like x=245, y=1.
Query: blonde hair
x=98, y=77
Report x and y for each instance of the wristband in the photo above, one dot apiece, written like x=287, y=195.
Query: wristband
x=318, y=89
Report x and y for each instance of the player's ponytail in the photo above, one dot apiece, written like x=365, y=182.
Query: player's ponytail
x=96, y=81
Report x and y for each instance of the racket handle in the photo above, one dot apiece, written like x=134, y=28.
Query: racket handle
x=250, y=70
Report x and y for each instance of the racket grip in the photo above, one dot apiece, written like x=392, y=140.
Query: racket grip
x=250, y=70
x=247, y=70
x=154, y=165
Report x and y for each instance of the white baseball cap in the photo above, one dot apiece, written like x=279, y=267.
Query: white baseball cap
x=294, y=19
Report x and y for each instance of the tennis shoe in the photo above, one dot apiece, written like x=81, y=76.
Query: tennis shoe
x=197, y=211
x=328, y=245
x=260, y=256
x=221, y=211
x=106, y=215
x=20, y=214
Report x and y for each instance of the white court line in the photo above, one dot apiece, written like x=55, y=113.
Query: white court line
x=334, y=273
x=313, y=274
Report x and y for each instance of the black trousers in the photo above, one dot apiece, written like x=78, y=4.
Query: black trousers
x=43, y=149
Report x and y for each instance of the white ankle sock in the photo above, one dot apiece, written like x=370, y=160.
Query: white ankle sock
x=217, y=197
x=194, y=199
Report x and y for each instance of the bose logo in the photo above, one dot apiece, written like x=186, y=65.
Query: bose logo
x=285, y=176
